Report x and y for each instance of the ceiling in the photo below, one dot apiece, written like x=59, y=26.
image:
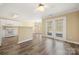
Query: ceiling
x=27, y=11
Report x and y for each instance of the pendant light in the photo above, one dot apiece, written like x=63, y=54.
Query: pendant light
x=41, y=7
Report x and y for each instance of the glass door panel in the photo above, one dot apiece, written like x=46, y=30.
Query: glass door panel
x=60, y=28
x=50, y=28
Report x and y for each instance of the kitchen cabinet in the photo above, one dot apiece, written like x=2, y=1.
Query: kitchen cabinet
x=8, y=28
x=10, y=23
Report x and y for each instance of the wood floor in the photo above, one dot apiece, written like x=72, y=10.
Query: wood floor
x=38, y=46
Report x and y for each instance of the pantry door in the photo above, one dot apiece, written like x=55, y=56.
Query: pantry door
x=60, y=28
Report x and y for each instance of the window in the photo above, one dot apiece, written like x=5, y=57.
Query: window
x=59, y=25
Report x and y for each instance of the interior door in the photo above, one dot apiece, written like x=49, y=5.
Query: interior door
x=60, y=28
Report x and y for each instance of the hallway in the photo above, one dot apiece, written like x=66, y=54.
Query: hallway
x=41, y=46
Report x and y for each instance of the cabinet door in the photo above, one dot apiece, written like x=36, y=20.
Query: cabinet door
x=60, y=28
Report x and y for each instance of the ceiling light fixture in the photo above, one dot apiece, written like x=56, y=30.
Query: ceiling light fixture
x=41, y=7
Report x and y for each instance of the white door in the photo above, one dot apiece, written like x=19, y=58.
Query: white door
x=60, y=28
x=50, y=28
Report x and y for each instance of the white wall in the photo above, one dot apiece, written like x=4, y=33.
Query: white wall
x=0, y=33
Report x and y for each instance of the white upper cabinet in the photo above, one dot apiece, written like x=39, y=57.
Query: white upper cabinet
x=9, y=22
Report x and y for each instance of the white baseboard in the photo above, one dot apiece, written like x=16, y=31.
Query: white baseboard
x=72, y=42
x=64, y=40
x=25, y=40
